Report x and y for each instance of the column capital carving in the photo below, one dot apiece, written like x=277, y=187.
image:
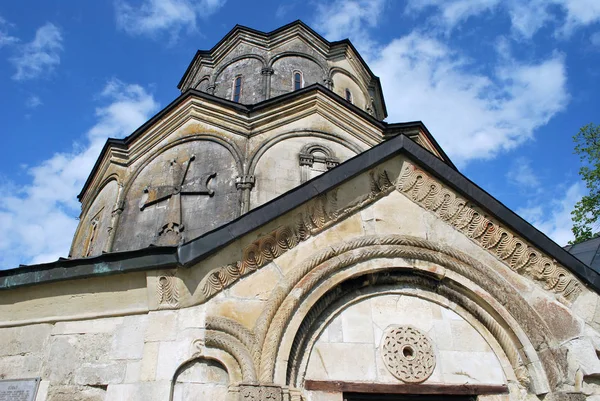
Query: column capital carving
x=244, y=182
x=267, y=71
x=306, y=159
x=256, y=392
x=331, y=162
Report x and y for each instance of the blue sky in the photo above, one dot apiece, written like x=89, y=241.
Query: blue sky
x=503, y=85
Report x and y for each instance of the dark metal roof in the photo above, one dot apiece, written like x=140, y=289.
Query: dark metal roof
x=190, y=253
x=588, y=252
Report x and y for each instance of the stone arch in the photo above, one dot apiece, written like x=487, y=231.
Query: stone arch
x=317, y=147
x=306, y=284
x=252, y=82
x=230, y=337
x=212, y=359
x=340, y=70
x=140, y=227
x=284, y=151
x=316, y=157
x=230, y=146
x=281, y=55
x=360, y=85
x=254, y=158
x=283, y=65
x=79, y=245
x=112, y=177
x=203, y=83
x=398, y=282
x=222, y=68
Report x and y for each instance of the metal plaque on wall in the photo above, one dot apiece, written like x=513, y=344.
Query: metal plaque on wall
x=19, y=389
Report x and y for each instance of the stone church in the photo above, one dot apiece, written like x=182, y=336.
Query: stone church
x=268, y=237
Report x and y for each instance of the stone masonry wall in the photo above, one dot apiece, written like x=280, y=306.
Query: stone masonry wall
x=376, y=235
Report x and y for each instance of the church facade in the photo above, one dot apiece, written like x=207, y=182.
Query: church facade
x=267, y=236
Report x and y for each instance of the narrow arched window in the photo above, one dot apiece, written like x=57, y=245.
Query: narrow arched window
x=91, y=237
x=348, y=95
x=237, y=88
x=297, y=80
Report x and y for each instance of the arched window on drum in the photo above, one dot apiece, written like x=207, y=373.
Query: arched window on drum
x=349, y=95
x=298, y=80
x=237, y=89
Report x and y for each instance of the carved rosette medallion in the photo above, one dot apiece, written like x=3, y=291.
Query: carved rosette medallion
x=407, y=353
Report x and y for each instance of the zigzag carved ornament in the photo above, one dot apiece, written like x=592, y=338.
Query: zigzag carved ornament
x=472, y=221
x=316, y=216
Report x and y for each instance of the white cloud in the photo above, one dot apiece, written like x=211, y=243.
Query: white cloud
x=580, y=13
x=41, y=55
x=452, y=12
x=527, y=16
x=33, y=102
x=472, y=115
x=554, y=218
x=595, y=39
x=522, y=175
x=284, y=9
x=341, y=19
x=38, y=219
x=153, y=17
x=5, y=38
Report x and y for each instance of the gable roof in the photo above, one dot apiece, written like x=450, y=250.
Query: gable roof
x=190, y=253
x=389, y=129
x=238, y=29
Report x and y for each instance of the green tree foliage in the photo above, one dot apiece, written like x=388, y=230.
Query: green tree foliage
x=587, y=211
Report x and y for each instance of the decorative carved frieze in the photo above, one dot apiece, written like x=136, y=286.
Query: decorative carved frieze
x=317, y=215
x=472, y=221
x=167, y=291
x=407, y=353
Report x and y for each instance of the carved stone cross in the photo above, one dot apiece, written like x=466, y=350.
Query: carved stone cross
x=173, y=225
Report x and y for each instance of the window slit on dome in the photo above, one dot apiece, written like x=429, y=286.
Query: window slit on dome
x=237, y=89
x=298, y=80
x=348, y=95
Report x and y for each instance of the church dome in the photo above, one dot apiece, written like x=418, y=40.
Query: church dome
x=249, y=66
x=259, y=115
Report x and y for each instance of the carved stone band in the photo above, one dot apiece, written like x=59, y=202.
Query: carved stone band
x=407, y=353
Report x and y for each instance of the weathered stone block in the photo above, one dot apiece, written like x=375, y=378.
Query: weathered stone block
x=146, y=391
x=128, y=341
x=20, y=366
x=24, y=340
x=76, y=393
x=100, y=374
x=149, y=361
x=107, y=325
x=162, y=326
x=69, y=353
